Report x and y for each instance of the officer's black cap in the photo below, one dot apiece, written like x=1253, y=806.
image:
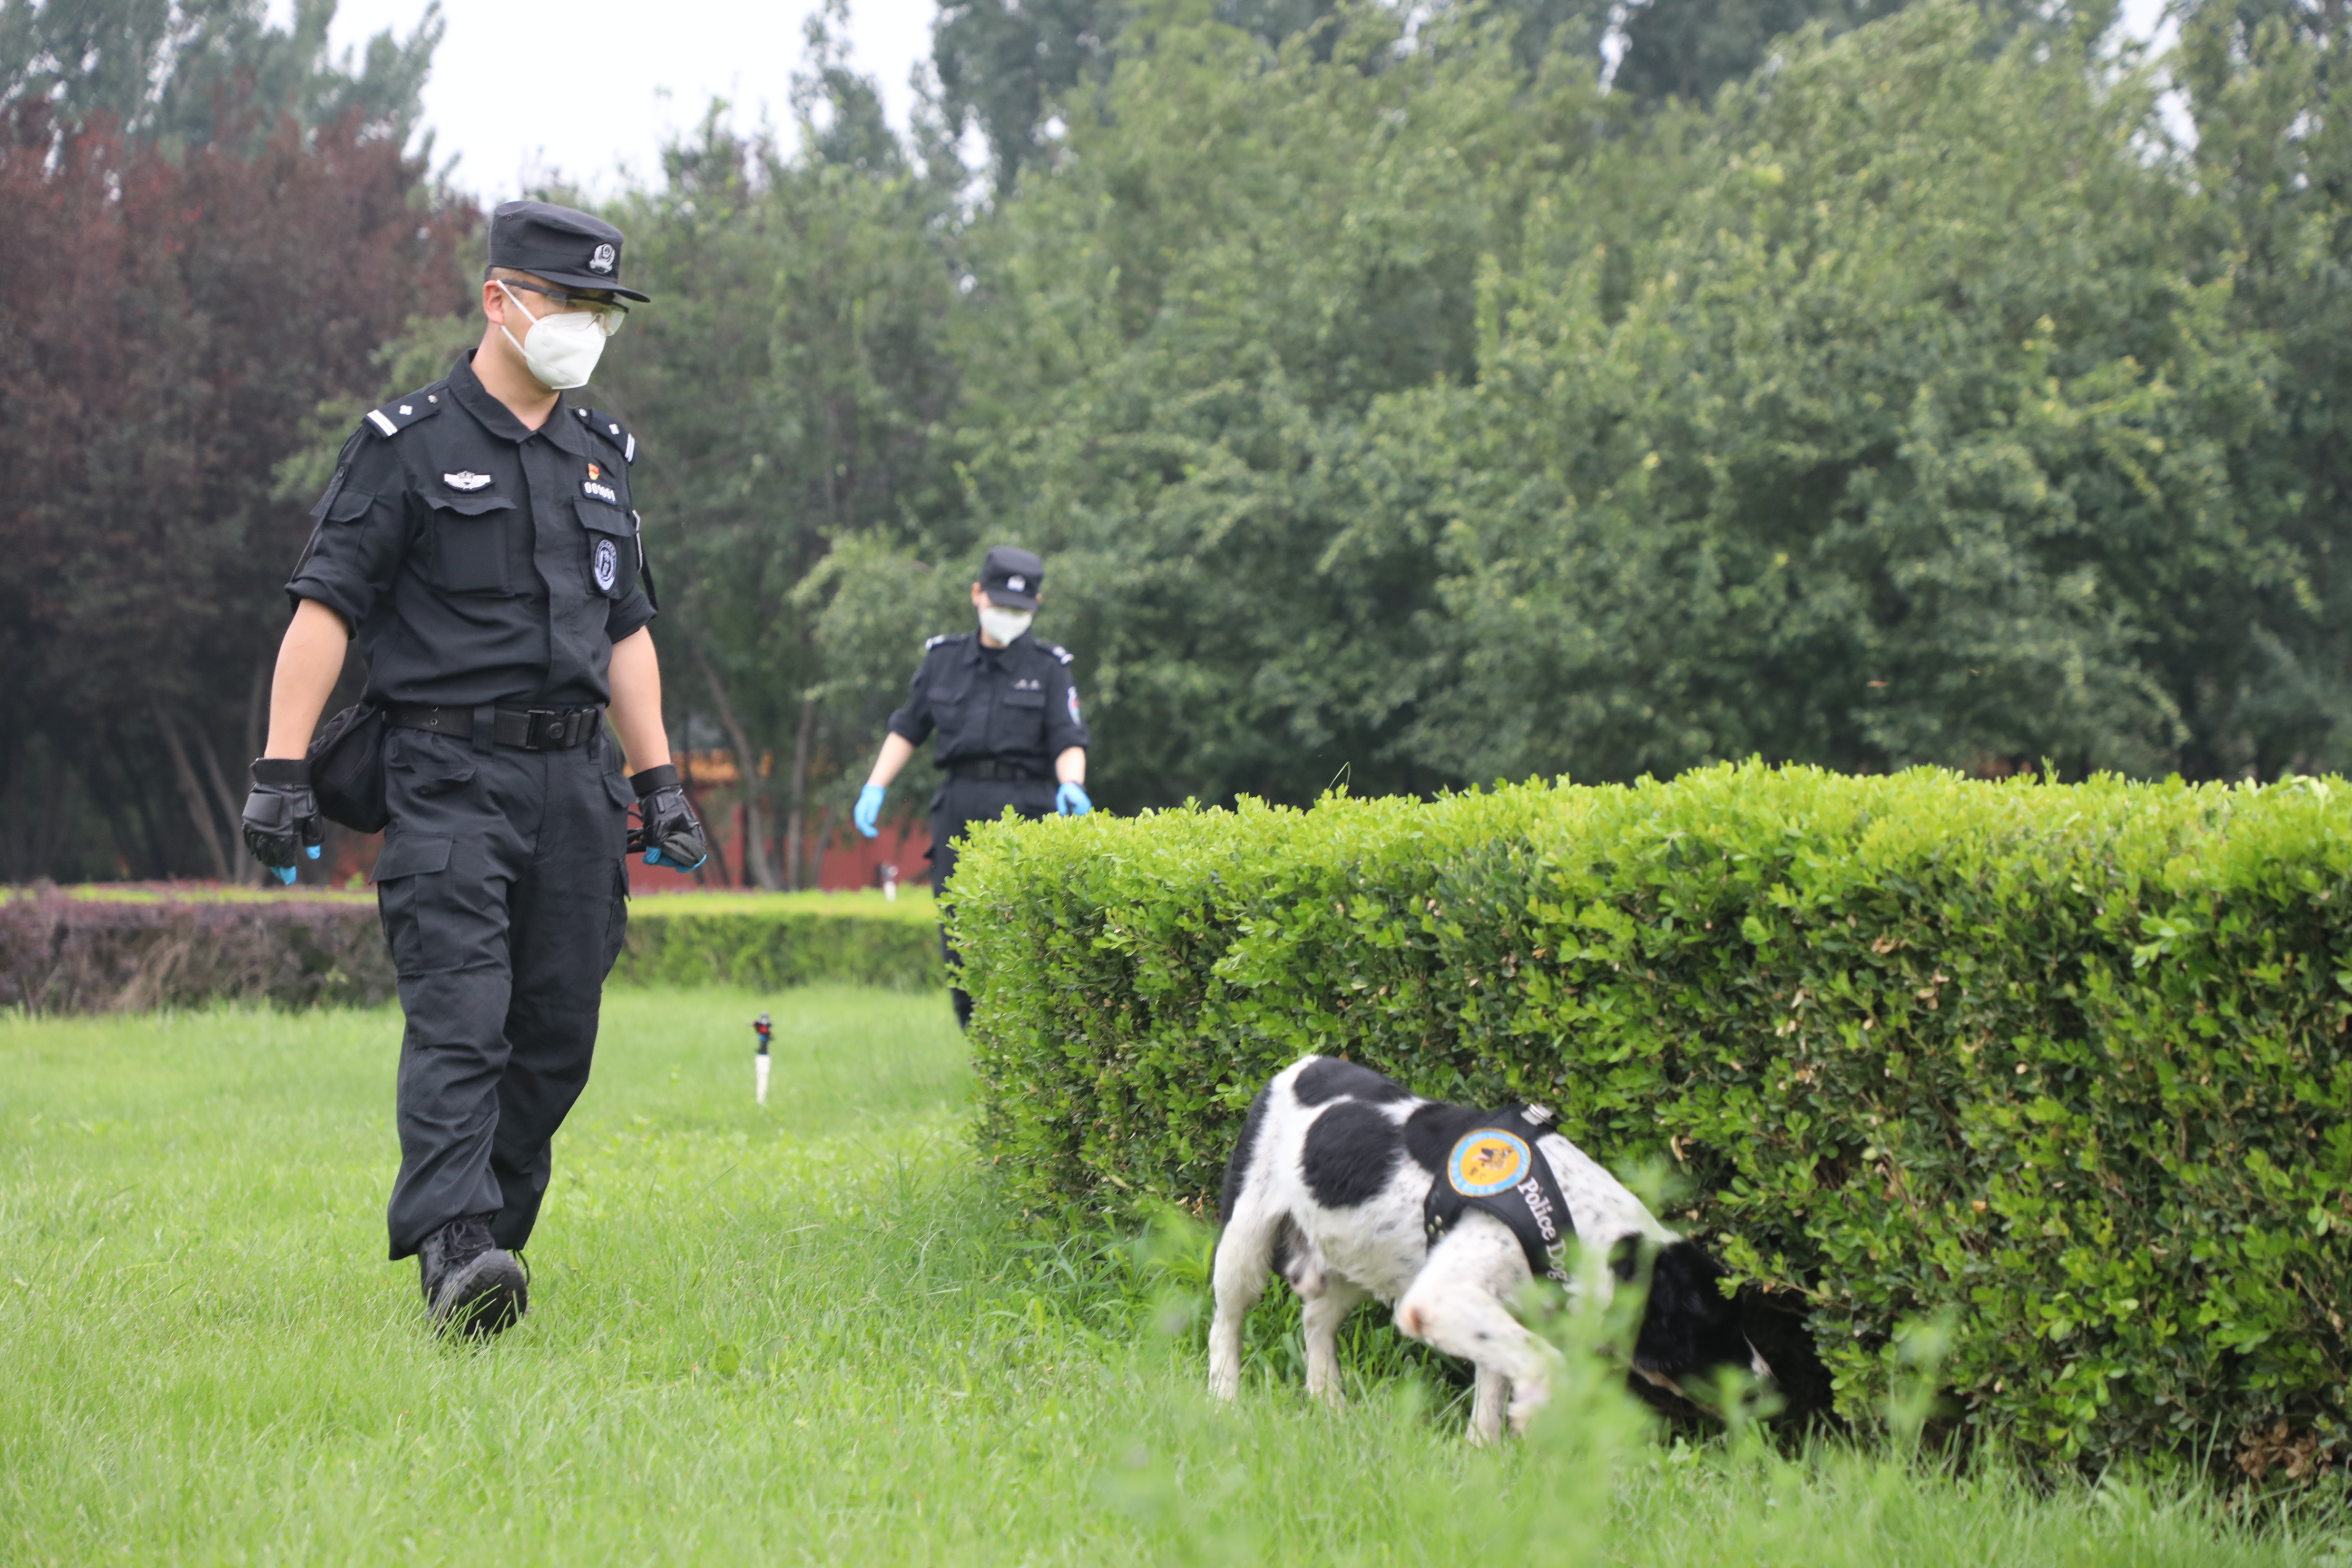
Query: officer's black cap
x=1012, y=577
x=562, y=245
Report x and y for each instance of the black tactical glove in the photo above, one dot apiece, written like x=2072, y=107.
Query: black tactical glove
x=671, y=835
x=281, y=814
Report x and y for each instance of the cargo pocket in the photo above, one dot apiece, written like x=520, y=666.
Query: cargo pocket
x=610, y=554
x=403, y=860
x=469, y=541
x=617, y=923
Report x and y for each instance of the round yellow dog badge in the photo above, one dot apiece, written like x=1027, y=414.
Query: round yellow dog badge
x=1487, y=1161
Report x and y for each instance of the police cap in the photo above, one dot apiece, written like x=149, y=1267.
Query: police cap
x=562, y=245
x=1012, y=577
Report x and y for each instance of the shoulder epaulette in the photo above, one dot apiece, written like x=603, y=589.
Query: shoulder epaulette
x=1058, y=650
x=612, y=429
x=402, y=411
x=931, y=643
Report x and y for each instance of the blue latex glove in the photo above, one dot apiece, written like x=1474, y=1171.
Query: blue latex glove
x=868, y=813
x=1071, y=800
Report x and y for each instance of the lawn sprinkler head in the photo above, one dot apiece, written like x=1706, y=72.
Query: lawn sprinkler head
x=760, y=1063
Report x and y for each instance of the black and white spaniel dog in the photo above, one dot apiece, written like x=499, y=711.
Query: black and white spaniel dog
x=1337, y=1185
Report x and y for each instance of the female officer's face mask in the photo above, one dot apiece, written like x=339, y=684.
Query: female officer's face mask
x=561, y=350
x=1004, y=625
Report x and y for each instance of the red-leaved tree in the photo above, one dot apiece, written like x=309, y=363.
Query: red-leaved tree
x=169, y=326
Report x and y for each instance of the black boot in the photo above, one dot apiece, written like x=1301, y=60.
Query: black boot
x=471, y=1282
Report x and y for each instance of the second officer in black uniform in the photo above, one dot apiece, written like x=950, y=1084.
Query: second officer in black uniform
x=1006, y=713
x=478, y=540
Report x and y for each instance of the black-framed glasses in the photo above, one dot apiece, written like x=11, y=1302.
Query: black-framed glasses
x=611, y=315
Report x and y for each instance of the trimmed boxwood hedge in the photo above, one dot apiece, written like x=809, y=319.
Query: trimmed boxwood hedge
x=108, y=950
x=2068, y=1062
x=782, y=942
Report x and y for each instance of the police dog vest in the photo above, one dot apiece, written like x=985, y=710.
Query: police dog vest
x=1495, y=1167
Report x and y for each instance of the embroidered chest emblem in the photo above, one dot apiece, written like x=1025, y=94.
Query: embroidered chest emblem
x=1487, y=1161
x=465, y=479
x=605, y=493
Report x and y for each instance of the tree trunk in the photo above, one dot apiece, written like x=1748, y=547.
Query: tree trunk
x=192, y=791
x=244, y=869
x=747, y=772
x=817, y=847
x=792, y=824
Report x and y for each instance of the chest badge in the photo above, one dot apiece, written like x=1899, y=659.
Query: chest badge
x=608, y=564
x=1487, y=1161
x=465, y=479
x=602, y=492
x=595, y=473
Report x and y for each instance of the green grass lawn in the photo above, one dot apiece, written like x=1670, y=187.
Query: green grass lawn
x=806, y=1333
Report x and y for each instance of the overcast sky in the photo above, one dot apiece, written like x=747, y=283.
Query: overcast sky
x=607, y=82
x=525, y=88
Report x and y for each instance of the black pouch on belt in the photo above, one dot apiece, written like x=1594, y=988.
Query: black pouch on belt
x=347, y=769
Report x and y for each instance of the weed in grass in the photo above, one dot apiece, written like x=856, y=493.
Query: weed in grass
x=807, y=1334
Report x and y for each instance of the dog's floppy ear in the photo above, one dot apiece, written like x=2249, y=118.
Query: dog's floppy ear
x=1689, y=1324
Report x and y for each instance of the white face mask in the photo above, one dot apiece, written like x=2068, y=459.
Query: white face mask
x=561, y=351
x=1003, y=624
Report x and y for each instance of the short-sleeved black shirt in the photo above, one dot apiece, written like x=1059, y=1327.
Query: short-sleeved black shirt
x=1015, y=704
x=475, y=561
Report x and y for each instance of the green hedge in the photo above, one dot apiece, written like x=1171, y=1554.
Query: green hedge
x=2068, y=1062
x=692, y=939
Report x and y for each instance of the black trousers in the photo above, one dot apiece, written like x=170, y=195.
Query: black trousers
x=958, y=804
x=504, y=899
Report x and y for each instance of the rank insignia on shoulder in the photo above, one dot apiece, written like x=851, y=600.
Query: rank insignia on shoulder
x=402, y=411
x=1058, y=651
x=604, y=425
x=465, y=479
x=931, y=643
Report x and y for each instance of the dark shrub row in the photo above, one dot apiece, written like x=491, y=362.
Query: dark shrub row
x=2067, y=1063
x=59, y=953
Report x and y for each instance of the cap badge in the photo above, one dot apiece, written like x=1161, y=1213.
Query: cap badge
x=604, y=258
x=465, y=479
x=1018, y=585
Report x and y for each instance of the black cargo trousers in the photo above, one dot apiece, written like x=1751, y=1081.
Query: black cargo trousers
x=958, y=804
x=504, y=894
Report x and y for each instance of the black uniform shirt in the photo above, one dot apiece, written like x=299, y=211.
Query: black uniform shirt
x=475, y=561
x=1013, y=704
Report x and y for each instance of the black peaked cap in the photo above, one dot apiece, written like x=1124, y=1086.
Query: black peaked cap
x=562, y=245
x=1012, y=577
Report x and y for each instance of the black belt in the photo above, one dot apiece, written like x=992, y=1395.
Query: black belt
x=993, y=770
x=527, y=729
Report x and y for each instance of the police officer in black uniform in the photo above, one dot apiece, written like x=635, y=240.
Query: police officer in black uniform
x=1006, y=712
x=478, y=540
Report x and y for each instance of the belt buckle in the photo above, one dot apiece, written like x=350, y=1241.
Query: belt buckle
x=541, y=726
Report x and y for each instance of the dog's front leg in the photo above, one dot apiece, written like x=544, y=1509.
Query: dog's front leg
x=1325, y=1312
x=1455, y=1305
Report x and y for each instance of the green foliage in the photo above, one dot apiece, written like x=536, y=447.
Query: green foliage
x=806, y=1332
x=2067, y=1062
x=678, y=941
x=184, y=73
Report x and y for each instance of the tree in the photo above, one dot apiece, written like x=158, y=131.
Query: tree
x=181, y=304
x=180, y=73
